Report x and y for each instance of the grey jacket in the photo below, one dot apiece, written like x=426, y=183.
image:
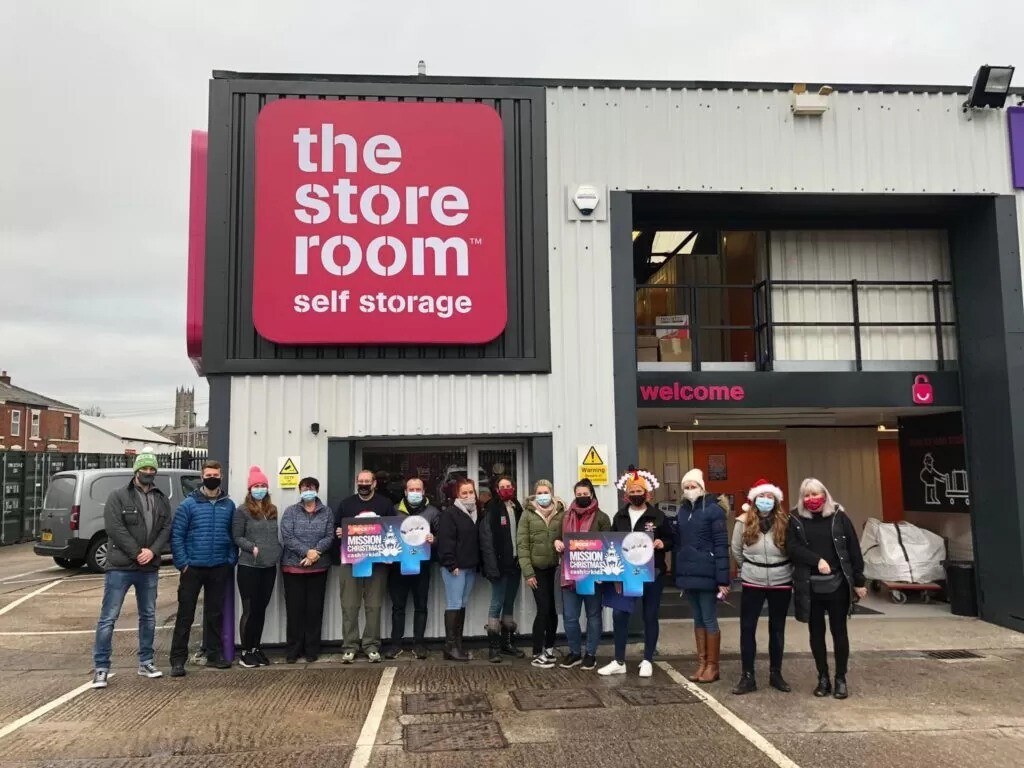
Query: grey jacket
x=127, y=532
x=301, y=532
x=249, y=534
x=762, y=563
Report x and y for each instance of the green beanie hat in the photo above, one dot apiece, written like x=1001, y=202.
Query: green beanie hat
x=145, y=461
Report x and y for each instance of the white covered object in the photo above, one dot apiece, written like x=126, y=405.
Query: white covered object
x=902, y=552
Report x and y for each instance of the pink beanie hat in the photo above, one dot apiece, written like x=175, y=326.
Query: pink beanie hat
x=256, y=477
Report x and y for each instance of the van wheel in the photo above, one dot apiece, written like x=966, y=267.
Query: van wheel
x=71, y=565
x=96, y=560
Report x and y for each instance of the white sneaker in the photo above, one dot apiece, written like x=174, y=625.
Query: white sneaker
x=646, y=668
x=612, y=668
x=148, y=670
x=348, y=657
x=374, y=657
x=99, y=678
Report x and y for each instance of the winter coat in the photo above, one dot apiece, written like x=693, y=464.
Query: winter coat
x=250, y=533
x=653, y=522
x=126, y=529
x=701, y=555
x=805, y=559
x=201, y=531
x=302, y=531
x=497, y=549
x=458, y=540
x=535, y=539
x=762, y=563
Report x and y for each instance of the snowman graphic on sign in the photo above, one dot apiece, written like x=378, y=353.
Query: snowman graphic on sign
x=392, y=547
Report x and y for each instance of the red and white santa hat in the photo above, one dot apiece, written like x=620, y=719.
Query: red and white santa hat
x=760, y=487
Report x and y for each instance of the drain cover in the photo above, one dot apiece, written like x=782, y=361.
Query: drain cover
x=665, y=694
x=952, y=655
x=454, y=737
x=443, y=703
x=555, y=698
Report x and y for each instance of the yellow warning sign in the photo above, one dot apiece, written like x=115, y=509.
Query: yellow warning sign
x=592, y=464
x=288, y=474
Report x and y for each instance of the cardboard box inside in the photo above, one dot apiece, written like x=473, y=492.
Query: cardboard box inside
x=675, y=350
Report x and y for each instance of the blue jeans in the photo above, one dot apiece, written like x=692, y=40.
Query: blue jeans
x=651, y=604
x=503, y=596
x=457, y=588
x=704, y=603
x=571, y=605
x=115, y=588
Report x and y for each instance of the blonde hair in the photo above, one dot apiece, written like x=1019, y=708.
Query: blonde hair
x=544, y=484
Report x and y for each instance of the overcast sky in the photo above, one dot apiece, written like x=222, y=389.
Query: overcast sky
x=99, y=97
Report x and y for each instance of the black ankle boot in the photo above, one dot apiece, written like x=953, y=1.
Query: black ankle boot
x=508, y=646
x=824, y=686
x=493, y=646
x=777, y=682
x=747, y=684
x=841, y=691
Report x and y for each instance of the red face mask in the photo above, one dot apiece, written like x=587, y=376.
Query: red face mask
x=814, y=504
x=506, y=494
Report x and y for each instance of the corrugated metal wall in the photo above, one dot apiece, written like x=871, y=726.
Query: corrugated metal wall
x=906, y=255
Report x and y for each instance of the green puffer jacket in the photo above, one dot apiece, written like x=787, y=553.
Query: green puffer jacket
x=535, y=539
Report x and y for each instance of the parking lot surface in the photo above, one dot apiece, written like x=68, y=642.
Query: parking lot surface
x=907, y=708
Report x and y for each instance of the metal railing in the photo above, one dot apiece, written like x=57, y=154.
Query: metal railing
x=764, y=324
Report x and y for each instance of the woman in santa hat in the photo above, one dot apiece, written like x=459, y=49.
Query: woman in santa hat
x=701, y=562
x=759, y=546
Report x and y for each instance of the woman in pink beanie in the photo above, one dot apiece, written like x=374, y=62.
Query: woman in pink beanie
x=259, y=551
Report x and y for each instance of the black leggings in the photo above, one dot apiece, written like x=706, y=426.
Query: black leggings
x=255, y=585
x=546, y=622
x=751, y=602
x=837, y=606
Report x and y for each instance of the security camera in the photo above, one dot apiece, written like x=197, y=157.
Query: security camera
x=315, y=428
x=586, y=199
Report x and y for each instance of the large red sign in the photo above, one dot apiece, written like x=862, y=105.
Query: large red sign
x=379, y=223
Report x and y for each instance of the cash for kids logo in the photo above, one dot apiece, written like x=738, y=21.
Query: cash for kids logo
x=591, y=558
x=379, y=222
x=389, y=540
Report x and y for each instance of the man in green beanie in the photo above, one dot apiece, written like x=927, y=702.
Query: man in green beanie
x=137, y=519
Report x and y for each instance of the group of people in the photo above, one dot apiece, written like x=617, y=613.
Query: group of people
x=808, y=554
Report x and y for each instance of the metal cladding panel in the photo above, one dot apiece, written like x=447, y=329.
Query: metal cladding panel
x=910, y=255
x=232, y=344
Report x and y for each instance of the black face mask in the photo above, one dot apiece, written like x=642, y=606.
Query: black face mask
x=147, y=478
x=584, y=501
x=364, y=490
x=211, y=483
x=638, y=501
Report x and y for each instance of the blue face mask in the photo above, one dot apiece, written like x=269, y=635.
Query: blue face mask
x=308, y=495
x=259, y=494
x=764, y=505
x=544, y=499
x=415, y=497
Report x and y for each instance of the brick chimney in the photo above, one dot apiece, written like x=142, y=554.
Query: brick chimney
x=4, y=378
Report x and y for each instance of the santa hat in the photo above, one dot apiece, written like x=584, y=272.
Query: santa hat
x=694, y=476
x=762, y=486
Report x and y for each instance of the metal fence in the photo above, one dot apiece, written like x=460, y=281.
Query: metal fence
x=24, y=478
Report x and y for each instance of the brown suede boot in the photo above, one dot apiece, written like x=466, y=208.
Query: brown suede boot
x=701, y=636
x=711, y=672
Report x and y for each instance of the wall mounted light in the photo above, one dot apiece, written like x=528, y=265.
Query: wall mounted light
x=990, y=89
x=810, y=104
x=883, y=428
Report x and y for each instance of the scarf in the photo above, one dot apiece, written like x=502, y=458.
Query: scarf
x=578, y=520
x=471, y=511
x=766, y=522
x=546, y=515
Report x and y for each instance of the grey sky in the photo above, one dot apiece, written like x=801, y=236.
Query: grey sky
x=99, y=98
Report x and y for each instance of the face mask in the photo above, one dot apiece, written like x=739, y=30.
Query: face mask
x=415, y=497
x=814, y=504
x=506, y=494
x=469, y=501
x=259, y=494
x=544, y=499
x=637, y=500
x=692, y=494
x=211, y=483
x=584, y=501
x=764, y=505
x=364, y=490
x=147, y=478
x=308, y=495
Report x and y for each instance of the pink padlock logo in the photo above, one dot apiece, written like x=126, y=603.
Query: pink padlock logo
x=922, y=390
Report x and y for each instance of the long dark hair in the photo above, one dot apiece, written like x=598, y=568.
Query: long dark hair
x=260, y=510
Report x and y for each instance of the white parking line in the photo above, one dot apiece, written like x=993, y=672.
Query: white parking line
x=766, y=747
x=51, y=569
x=35, y=714
x=29, y=596
x=368, y=736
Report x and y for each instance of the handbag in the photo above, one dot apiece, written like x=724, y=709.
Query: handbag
x=826, y=584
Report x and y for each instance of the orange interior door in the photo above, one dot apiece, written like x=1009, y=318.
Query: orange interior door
x=892, y=481
x=742, y=462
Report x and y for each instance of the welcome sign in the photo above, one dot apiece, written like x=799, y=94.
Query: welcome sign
x=592, y=558
x=369, y=540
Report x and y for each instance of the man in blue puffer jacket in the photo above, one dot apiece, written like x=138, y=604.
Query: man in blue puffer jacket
x=205, y=553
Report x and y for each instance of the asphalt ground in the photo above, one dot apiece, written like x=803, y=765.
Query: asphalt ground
x=906, y=708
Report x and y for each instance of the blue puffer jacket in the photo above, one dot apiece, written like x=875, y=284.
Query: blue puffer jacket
x=701, y=554
x=201, y=531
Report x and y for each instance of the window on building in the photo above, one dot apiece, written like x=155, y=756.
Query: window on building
x=36, y=416
x=15, y=423
x=67, y=427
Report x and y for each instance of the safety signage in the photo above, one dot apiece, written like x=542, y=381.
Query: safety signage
x=288, y=472
x=593, y=465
